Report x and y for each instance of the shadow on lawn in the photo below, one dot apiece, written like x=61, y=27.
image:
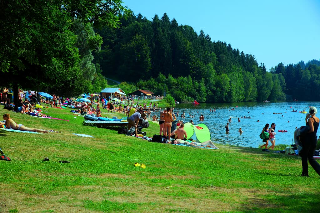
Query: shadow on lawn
x=301, y=203
x=2, y=133
x=271, y=153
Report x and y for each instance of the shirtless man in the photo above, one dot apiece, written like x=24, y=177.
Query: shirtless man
x=180, y=133
x=10, y=124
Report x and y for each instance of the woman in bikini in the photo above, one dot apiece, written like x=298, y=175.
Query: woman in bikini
x=10, y=124
x=167, y=123
x=161, y=122
x=272, y=134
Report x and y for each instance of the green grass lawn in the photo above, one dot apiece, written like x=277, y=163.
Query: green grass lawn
x=101, y=176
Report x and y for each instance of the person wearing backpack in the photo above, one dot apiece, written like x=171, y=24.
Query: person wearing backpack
x=265, y=137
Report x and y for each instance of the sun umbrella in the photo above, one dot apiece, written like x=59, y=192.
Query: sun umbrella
x=84, y=100
x=44, y=94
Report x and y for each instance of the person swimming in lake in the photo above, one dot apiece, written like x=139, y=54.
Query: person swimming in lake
x=227, y=128
x=10, y=124
x=240, y=131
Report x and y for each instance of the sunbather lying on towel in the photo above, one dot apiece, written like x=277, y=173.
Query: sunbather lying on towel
x=10, y=124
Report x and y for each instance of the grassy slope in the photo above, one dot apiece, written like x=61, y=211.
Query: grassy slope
x=101, y=175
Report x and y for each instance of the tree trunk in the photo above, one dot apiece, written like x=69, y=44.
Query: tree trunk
x=15, y=96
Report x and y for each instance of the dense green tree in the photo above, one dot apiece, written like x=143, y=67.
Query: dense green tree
x=170, y=100
x=276, y=90
x=250, y=87
x=135, y=55
x=222, y=88
x=236, y=92
x=183, y=64
x=39, y=44
x=127, y=88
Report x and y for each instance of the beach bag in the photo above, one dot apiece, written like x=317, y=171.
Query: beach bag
x=143, y=123
x=122, y=130
x=3, y=157
x=264, y=135
x=159, y=139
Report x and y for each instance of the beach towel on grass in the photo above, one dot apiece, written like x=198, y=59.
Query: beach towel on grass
x=13, y=130
x=83, y=135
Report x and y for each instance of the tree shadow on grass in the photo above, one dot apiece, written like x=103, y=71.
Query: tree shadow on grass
x=271, y=153
x=2, y=133
x=302, y=203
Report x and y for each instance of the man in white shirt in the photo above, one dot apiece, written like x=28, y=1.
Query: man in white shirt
x=133, y=120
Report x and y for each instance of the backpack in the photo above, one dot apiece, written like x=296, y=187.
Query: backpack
x=159, y=139
x=264, y=135
x=3, y=157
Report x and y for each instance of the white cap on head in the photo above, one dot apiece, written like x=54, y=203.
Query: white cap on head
x=312, y=110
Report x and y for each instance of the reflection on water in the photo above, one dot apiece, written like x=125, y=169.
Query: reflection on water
x=279, y=113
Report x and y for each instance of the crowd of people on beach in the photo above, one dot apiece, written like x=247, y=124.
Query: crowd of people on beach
x=29, y=102
x=171, y=128
x=33, y=103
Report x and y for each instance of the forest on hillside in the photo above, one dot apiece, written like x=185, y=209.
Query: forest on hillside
x=168, y=58
x=302, y=81
x=71, y=47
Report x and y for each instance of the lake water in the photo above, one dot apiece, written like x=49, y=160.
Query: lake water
x=260, y=113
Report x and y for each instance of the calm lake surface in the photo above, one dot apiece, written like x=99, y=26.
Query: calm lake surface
x=260, y=114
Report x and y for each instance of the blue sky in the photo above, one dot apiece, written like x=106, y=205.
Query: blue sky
x=274, y=31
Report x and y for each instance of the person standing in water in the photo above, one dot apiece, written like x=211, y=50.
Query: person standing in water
x=227, y=128
x=240, y=131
